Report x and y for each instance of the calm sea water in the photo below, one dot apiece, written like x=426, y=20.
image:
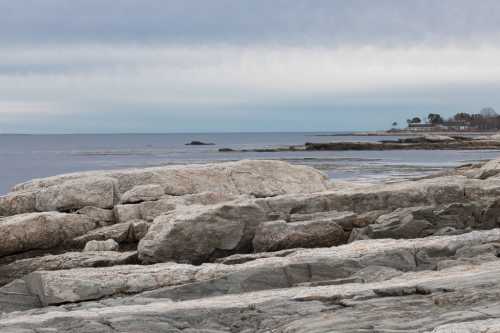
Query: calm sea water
x=23, y=157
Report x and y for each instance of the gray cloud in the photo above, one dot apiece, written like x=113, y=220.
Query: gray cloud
x=186, y=65
x=230, y=21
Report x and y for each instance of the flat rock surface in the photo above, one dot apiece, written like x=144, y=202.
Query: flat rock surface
x=305, y=265
x=412, y=302
x=20, y=268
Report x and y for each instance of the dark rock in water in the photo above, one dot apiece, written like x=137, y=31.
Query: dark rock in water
x=199, y=143
x=226, y=150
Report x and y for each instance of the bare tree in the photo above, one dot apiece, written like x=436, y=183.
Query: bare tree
x=488, y=112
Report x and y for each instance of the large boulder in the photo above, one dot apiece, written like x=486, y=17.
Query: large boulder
x=199, y=233
x=75, y=194
x=103, y=189
x=32, y=231
x=489, y=169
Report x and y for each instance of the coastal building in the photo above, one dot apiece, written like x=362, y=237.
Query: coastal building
x=418, y=127
x=445, y=126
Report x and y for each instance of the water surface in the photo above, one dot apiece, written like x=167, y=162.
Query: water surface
x=23, y=157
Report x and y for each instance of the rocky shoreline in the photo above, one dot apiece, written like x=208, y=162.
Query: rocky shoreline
x=250, y=246
x=425, y=142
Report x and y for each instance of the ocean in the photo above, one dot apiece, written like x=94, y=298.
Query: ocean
x=23, y=157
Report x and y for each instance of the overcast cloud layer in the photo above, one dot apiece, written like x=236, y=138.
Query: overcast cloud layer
x=235, y=65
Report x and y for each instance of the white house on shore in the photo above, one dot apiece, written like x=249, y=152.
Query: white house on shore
x=446, y=126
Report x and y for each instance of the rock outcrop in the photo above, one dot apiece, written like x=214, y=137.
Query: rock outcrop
x=103, y=189
x=423, y=142
x=251, y=246
x=322, y=264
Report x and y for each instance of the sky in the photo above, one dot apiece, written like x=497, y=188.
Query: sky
x=116, y=66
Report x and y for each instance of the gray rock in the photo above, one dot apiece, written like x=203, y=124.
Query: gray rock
x=197, y=233
x=125, y=213
x=307, y=265
x=148, y=211
x=347, y=220
x=279, y=235
x=102, y=216
x=75, y=194
x=473, y=326
x=172, y=237
x=17, y=297
x=142, y=193
x=32, y=231
x=262, y=178
x=461, y=299
x=98, y=246
x=17, y=203
x=68, y=260
x=489, y=169
x=242, y=258
x=139, y=229
x=121, y=233
x=424, y=221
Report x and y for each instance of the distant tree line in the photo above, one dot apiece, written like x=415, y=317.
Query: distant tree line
x=486, y=119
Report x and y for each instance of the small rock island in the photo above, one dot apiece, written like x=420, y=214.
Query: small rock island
x=199, y=143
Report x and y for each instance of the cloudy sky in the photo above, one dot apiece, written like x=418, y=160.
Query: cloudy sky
x=243, y=65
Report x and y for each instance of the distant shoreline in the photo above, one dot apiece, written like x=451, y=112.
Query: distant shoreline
x=408, y=133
